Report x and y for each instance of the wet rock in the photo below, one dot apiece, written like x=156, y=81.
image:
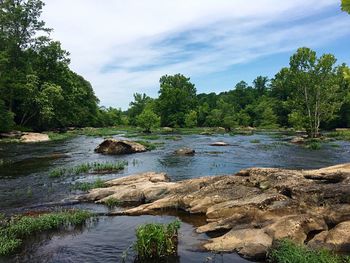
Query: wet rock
x=167, y=129
x=11, y=135
x=185, y=151
x=34, y=137
x=297, y=140
x=297, y=204
x=219, y=144
x=115, y=147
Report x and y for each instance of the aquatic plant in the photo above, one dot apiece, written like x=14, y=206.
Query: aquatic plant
x=313, y=145
x=96, y=167
x=86, y=186
x=58, y=136
x=255, y=141
x=17, y=229
x=149, y=145
x=154, y=241
x=340, y=135
x=112, y=202
x=285, y=251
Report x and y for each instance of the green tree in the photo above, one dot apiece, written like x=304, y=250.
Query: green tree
x=177, y=97
x=137, y=106
x=6, y=118
x=345, y=5
x=316, y=91
x=191, y=119
x=148, y=119
x=260, y=85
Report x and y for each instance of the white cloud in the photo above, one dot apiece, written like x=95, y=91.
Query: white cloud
x=124, y=47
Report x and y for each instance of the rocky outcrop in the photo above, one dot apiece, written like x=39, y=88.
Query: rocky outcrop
x=185, y=151
x=115, y=147
x=253, y=208
x=297, y=140
x=30, y=137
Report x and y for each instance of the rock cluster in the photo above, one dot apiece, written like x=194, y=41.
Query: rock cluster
x=253, y=207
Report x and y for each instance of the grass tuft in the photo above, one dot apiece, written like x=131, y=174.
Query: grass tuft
x=285, y=251
x=155, y=241
x=17, y=229
x=86, y=186
x=255, y=141
x=112, y=202
x=105, y=167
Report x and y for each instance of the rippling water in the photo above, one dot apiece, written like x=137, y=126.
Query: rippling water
x=24, y=182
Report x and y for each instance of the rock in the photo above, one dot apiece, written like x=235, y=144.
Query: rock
x=219, y=144
x=297, y=140
x=250, y=243
x=11, y=135
x=337, y=239
x=185, y=151
x=297, y=204
x=168, y=129
x=112, y=146
x=34, y=137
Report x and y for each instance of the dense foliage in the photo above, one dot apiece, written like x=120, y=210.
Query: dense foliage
x=37, y=88
x=312, y=93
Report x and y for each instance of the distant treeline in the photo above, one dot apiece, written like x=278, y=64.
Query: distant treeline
x=39, y=91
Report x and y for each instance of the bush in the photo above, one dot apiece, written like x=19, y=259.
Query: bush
x=156, y=241
x=6, y=118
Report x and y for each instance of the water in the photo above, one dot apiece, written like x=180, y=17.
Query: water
x=25, y=182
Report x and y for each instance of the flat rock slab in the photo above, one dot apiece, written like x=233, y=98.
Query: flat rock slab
x=254, y=207
x=29, y=137
x=116, y=147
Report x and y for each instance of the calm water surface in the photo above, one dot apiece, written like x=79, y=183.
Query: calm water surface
x=25, y=182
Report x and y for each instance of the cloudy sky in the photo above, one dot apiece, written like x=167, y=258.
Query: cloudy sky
x=125, y=46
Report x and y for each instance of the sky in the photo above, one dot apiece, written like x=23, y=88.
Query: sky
x=125, y=46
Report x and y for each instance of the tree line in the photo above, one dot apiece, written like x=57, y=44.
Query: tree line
x=313, y=93
x=38, y=90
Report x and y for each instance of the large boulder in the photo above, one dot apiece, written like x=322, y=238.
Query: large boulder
x=112, y=146
x=185, y=151
x=34, y=137
x=310, y=207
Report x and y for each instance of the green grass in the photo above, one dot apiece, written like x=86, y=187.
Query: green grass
x=112, y=202
x=172, y=138
x=340, y=135
x=155, y=241
x=149, y=145
x=150, y=137
x=313, y=145
x=18, y=229
x=56, y=136
x=285, y=251
x=86, y=186
x=96, y=167
x=255, y=141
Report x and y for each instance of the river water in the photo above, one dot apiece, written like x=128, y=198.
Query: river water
x=25, y=182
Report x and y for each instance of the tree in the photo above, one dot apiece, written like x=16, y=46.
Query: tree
x=316, y=91
x=137, y=106
x=177, y=97
x=191, y=119
x=345, y=5
x=148, y=119
x=6, y=118
x=260, y=85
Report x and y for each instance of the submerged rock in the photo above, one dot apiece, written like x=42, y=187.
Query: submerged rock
x=185, y=151
x=219, y=144
x=298, y=140
x=112, y=146
x=34, y=137
x=311, y=207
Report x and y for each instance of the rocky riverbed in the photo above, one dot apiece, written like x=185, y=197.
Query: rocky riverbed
x=251, y=209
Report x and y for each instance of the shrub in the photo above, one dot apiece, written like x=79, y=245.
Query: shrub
x=155, y=241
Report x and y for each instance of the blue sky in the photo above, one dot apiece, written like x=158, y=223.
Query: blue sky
x=123, y=47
